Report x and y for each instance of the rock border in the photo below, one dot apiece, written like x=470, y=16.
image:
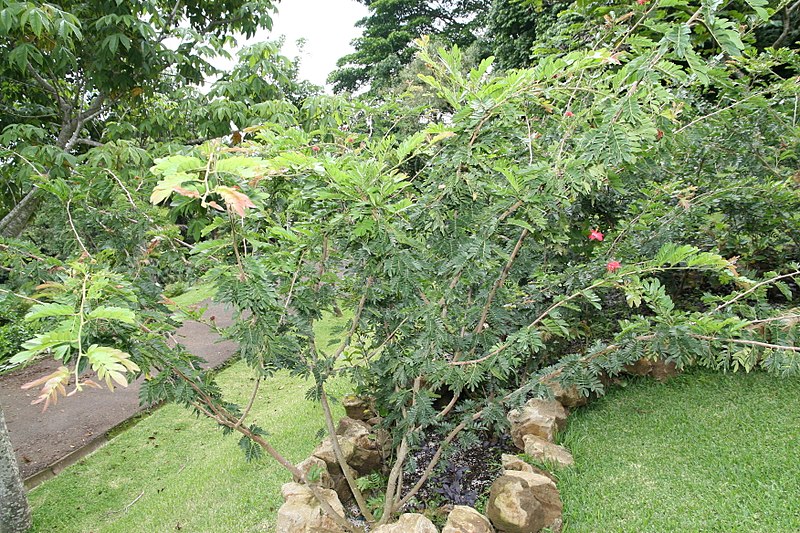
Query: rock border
x=523, y=499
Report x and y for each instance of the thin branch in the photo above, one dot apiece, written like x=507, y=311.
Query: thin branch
x=449, y=407
x=89, y=142
x=224, y=418
x=435, y=460
x=75, y=231
x=754, y=288
x=337, y=450
x=717, y=112
x=168, y=23
x=128, y=194
x=393, y=485
x=748, y=342
x=125, y=509
x=787, y=24
x=786, y=318
x=388, y=338
x=356, y=318
x=47, y=86
x=249, y=404
x=21, y=296
x=500, y=280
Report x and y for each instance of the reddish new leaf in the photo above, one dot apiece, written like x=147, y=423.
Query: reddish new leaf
x=236, y=201
x=54, y=384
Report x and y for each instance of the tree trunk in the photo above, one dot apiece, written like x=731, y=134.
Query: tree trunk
x=15, y=515
x=15, y=221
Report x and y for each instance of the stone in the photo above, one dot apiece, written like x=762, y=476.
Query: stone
x=546, y=451
x=660, y=369
x=365, y=461
x=570, y=397
x=359, y=447
x=325, y=451
x=315, y=467
x=640, y=368
x=663, y=370
x=358, y=432
x=463, y=519
x=302, y=513
x=340, y=484
x=408, y=523
x=512, y=462
x=357, y=408
x=543, y=418
x=523, y=502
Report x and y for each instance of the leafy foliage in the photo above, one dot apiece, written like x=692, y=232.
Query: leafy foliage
x=391, y=27
x=549, y=225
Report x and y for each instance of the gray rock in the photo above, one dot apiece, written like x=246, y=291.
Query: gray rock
x=409, y=523
x=523, y=502
x=325, y=451
x=340, y=484
x=543, y=418
x=365, y=461
x=546, y=451
x=463, y=519
x=301, y=512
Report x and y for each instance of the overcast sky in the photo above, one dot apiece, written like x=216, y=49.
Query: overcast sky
x=328, y=27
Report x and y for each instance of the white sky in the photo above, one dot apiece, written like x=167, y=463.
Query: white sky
x=328, y=27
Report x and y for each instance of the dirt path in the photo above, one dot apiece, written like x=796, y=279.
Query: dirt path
x=79, y=423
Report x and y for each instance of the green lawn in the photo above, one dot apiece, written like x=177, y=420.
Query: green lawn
x=182, y=473
x=703, y=452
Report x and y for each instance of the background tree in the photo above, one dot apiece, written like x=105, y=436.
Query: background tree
x=391, y=27
x=514, y=27
x=66, y=64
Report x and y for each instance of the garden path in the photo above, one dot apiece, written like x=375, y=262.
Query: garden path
x=47, y=442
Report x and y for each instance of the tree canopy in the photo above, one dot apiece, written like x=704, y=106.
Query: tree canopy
x=388, y=31
x=66, y=65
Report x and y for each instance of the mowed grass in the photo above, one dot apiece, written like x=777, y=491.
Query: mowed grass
x=175, y=472
x=703, y=452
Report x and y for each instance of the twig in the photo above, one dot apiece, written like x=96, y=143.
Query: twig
x=125, y=509
x=249, y=404
x=717, y=112
x=435, y=459
x=22, y=296
x=75, y=231
x=755, y=287
x=128, y=194
x=499, y=282
x=748, y=342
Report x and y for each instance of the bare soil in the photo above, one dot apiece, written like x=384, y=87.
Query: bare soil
x=42, y=439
